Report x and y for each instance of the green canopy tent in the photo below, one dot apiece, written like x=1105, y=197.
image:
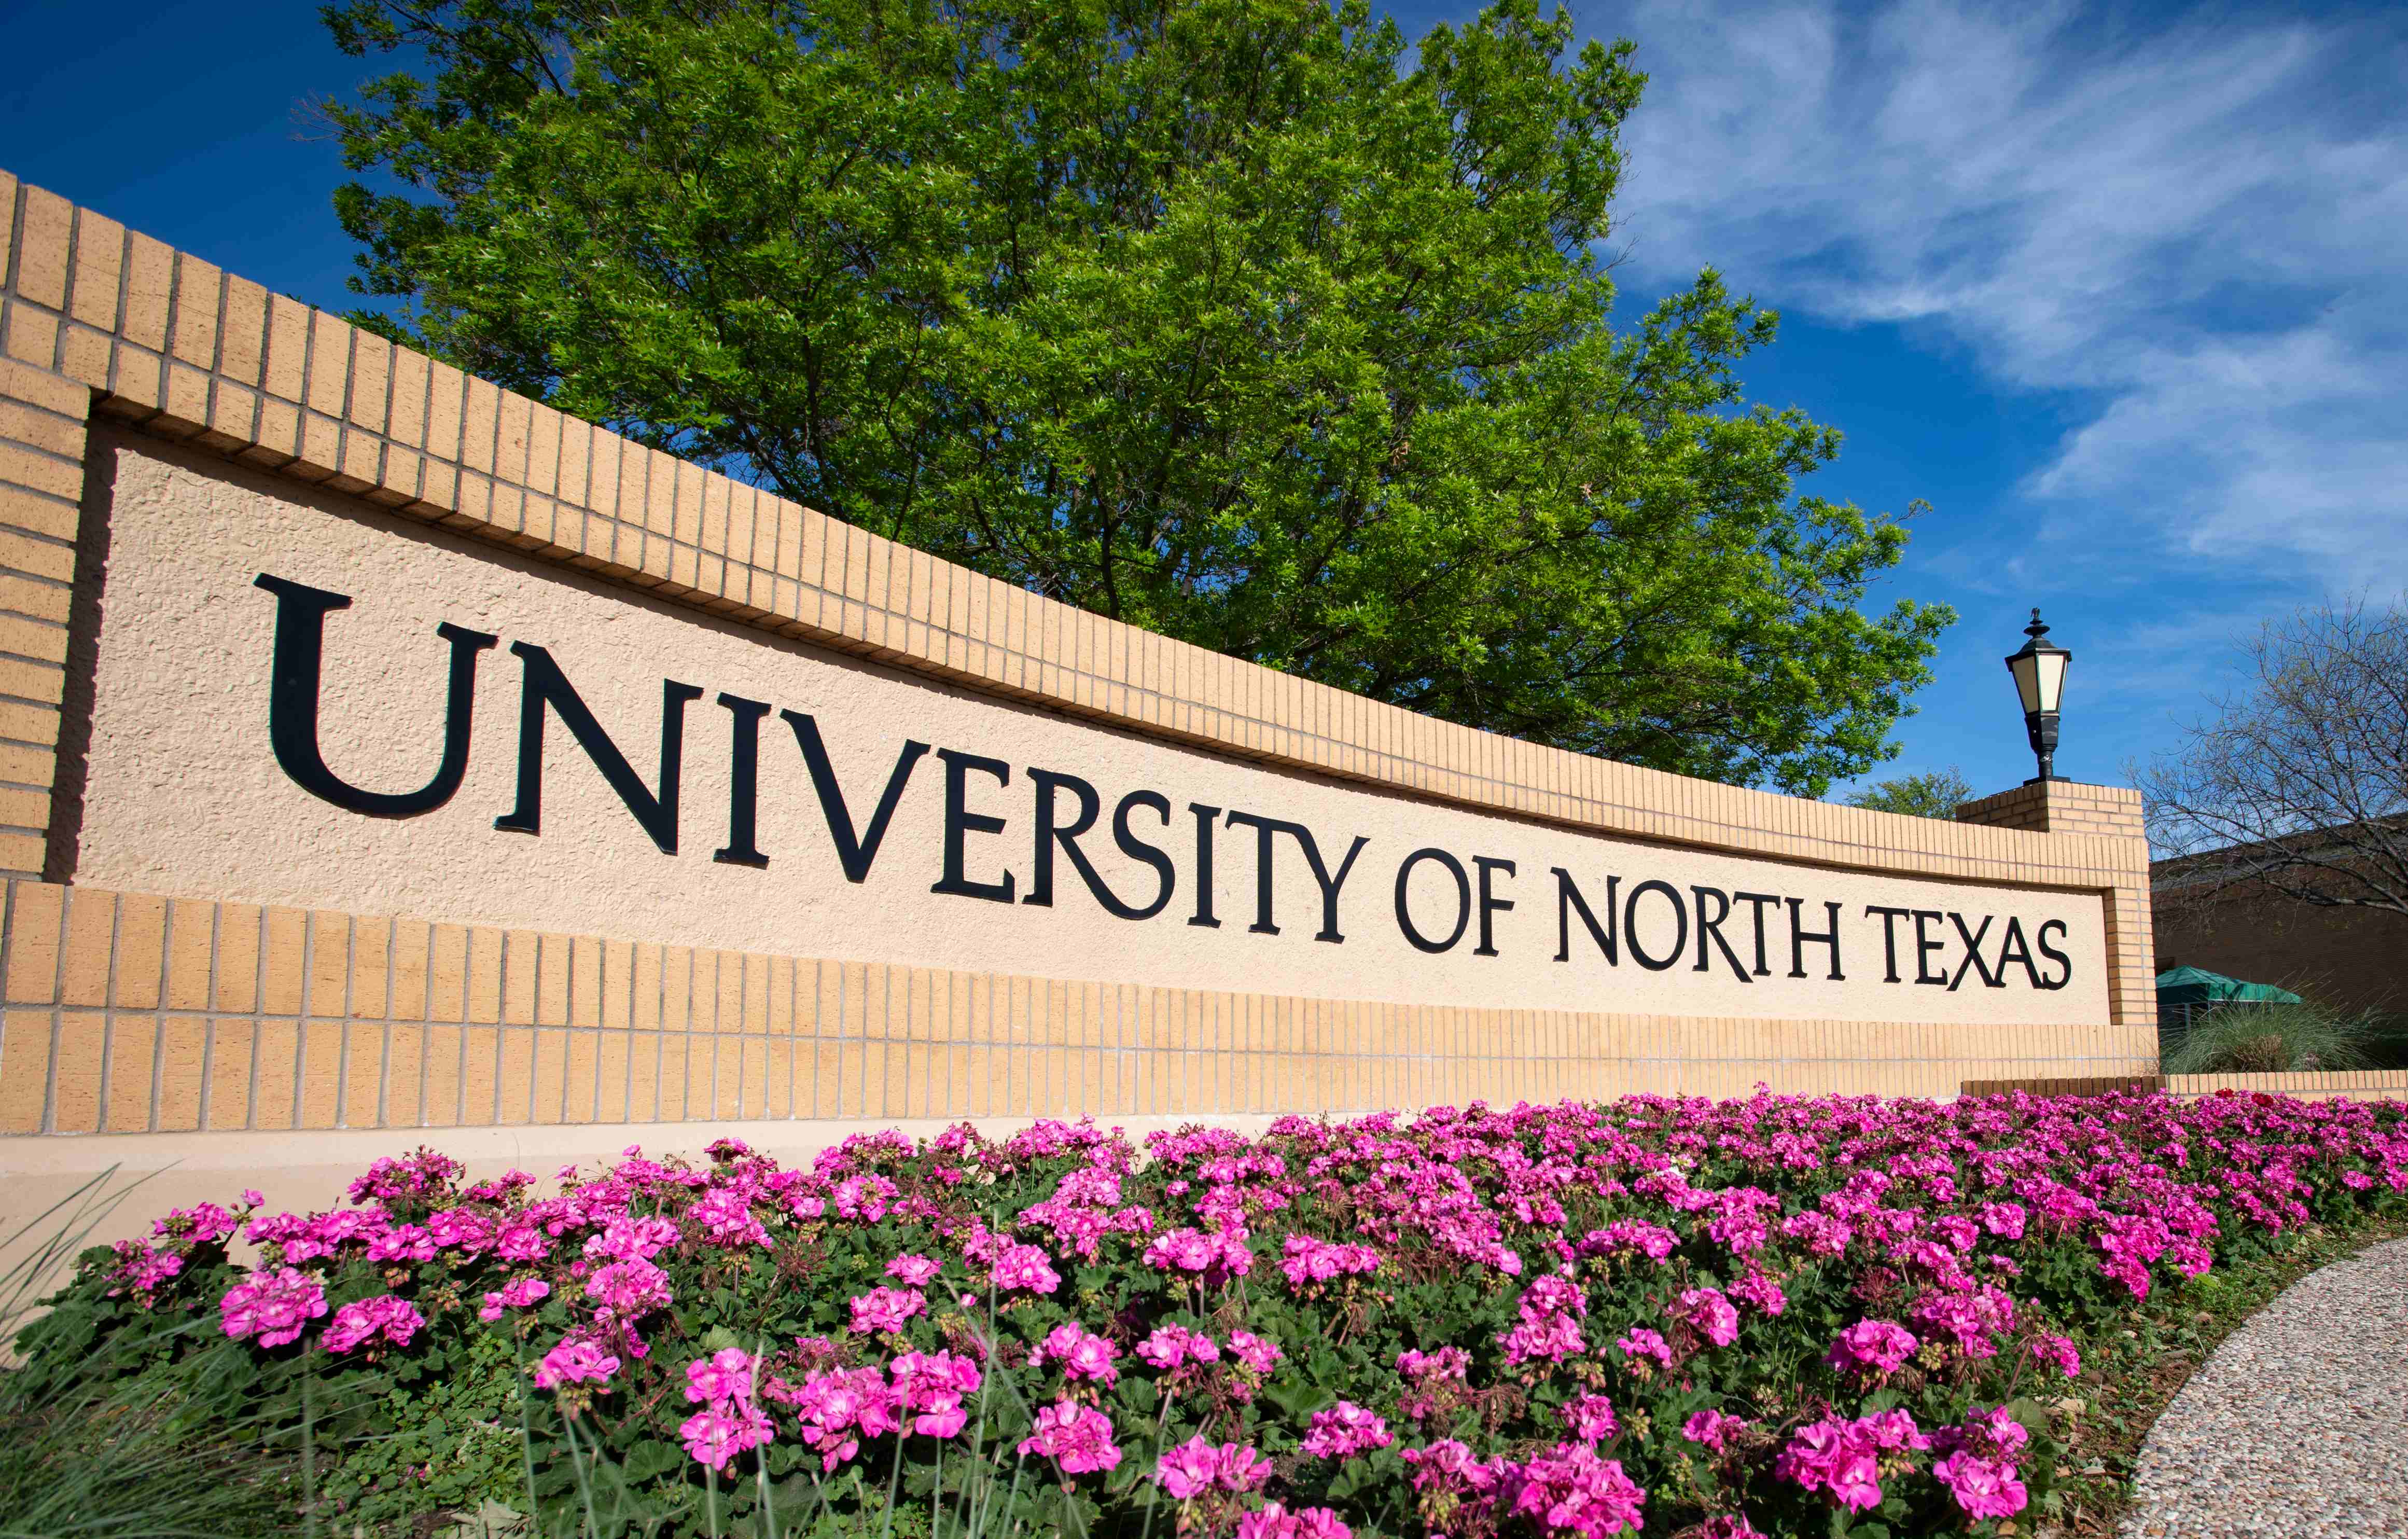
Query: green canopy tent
x=2191, y=986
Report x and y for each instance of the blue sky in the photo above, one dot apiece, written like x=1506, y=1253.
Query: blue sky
x=2118, y=290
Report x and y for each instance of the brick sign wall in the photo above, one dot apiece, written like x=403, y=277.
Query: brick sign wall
x=757, y=817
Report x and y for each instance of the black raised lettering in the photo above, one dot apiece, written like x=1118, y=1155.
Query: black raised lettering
x=1710, y=926
x=1974, y=953
x=2015, y=948
x=1758, y=900
x=1889, y=940
x=1925, y=946
x=1489, y=903
x=1567, y=901
x=1138, y=850
x=544, y=687
x=855, y=852
x=294, y=667
x=743, y=781
x=1800, y=935
x=960, y=823
x=1266, y=830
x=2047, y=950
x=1207, y=819
x=1462, y=900
x=1630, y=926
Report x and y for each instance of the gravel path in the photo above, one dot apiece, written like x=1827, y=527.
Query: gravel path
x=2298, y=1424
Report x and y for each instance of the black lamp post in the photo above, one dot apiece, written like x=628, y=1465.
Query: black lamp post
x=2039, y=680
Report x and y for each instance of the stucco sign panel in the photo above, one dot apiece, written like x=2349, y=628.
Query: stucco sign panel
x=299, y=700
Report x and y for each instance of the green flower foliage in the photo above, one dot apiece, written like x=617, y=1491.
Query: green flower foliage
x=1241, y=320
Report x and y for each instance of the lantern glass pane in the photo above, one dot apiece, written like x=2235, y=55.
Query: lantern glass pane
x=2025, y=668
x=2050, y=679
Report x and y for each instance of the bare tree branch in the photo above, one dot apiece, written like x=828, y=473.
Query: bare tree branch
x=2298, y=784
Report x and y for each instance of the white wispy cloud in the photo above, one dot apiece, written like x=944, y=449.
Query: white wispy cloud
x=2202, y=225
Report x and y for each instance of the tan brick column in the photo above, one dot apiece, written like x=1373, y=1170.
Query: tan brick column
x=2113, y=811
x=42, y=419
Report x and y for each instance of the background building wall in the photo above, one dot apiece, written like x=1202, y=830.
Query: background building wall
x=2348, y=959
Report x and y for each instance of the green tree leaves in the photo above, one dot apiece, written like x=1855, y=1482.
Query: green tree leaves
x=1228, y=318
x=1935, y=794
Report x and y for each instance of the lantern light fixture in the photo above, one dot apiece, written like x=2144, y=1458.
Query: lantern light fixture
x=2039, y=672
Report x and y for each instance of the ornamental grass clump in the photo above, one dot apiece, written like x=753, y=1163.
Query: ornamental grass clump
x=1780, y=1315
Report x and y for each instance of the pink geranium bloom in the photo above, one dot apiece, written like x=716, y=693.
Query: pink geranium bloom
x=1078, y=1438
x=724, y=1375
x=1984, y=1487
x=385, y=1319
x=575, y=1361
x=1081, y=1354
x=519, y=1294
x=885, y=1309
x=1256, y=1352
x=1712, y=1314
x=716, y=1435
x=1274, y=1521
x=1713, y=1430
x=1644, y=1343
x=913, y=1270
x=1189, y=1469
x=272, y=1308
x=1344, y=1431
x=1877, y=1346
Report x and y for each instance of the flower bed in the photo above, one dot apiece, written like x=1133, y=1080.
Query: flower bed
x=1777, y=1315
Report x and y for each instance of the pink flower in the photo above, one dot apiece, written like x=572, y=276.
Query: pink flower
x=1590, y=1417
x=885, y=1309
x=627, y=1289
x=1024, y=1267
x=724, y=1375
x=1344, y=1431
x=1760, y=1292
x=1712, y=1315
x=1242, y=1468
x=715, y=1435
x=725, y=1214
x=1574, y=1490
x=272, y=1308
x=2003, y=1220
x=1308, y=1260
x=1984, y=1487
x=1273, y=1522
x=1081, y=1354
x=1256, y=1352
x=394, y=1319
x=1079, y=1438
x=1713, y=1430
x=930, y=1385
x=514, y=1295
x=1189, y=1469
x=1169, y=1345
x=1644, y=1343
x=833, y=1405
x=1838, y=1457
x=625, y=1239
x=913, y=1270
x=574, y=1361
x=2058, y=1352
x=401, y=1242
x=1878, y=1346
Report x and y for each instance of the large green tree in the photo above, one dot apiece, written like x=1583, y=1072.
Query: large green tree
x=1237, y=319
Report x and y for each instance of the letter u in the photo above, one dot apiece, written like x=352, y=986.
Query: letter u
x=301, y=614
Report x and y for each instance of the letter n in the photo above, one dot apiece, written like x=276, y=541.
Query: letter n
x=544, y=685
